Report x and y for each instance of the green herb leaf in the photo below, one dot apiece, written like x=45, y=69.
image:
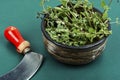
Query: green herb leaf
x=91, y=30
x=58, y=8
x=103, y=4
x=64, y=2
x=105, y=15
x=78, y=4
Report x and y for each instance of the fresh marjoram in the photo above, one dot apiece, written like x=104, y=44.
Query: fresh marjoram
x=76, y=23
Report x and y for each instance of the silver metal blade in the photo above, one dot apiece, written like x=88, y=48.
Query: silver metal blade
x=26, y=68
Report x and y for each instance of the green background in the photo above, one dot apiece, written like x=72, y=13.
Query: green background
x=22, y=14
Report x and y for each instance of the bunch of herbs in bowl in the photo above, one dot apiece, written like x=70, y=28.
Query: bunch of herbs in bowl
x=75, y=32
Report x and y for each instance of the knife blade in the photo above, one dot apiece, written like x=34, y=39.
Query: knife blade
x=30, y=62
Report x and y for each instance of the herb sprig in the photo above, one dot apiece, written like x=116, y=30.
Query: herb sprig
x=76, y=23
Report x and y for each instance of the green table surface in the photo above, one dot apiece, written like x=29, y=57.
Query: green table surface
x=22, y=14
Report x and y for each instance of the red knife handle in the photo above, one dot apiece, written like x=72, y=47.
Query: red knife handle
x=13, y=35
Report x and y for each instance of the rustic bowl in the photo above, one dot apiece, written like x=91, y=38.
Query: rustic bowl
x=71, y=54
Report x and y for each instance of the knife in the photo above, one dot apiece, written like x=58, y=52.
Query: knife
x=30, y=62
